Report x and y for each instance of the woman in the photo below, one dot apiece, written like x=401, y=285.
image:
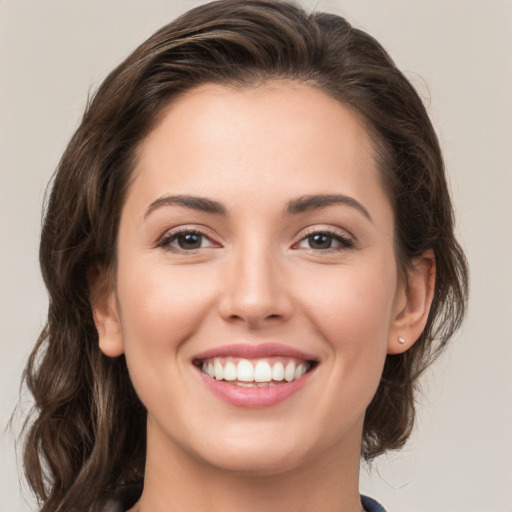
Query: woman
x=250, y=258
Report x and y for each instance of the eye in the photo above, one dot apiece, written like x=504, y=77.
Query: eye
x=186, y=240
x=325, y=241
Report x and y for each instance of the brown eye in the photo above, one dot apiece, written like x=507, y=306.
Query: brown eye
x=320, y=241
x=189, y=241
x=186, y=241
x=325, y=241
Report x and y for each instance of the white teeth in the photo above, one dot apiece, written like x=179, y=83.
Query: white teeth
x=219, y=371
x=251, y=373
x=262, y=372
x=289, y=371
x=278, y=372
x=300, y=370
x=229, y=371
x=245, y=371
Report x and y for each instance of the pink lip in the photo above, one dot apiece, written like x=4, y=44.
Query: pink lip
x=253, y=397
x=248, y=351
x=250, y=397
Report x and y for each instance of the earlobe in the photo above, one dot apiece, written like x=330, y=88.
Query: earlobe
x=414, y=304
x=106, y=319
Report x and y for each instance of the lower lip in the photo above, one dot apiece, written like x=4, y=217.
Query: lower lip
x=254, y=397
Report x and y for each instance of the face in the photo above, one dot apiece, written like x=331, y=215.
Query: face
x=256, y=290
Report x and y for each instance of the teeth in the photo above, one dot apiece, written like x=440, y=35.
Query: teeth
x=299, y=371
x=229, y=371
x=262, y=372
x=255, y=384
x=248, y=373
x=278, y=372
x=289, y=371
x=245, y=371
x=219, y=371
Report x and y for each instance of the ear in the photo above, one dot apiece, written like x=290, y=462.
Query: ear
x=105, y=314
x=412, y=304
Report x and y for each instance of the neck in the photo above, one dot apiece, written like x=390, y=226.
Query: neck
x=177, y=481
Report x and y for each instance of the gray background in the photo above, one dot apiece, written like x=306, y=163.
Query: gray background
x=456, y=52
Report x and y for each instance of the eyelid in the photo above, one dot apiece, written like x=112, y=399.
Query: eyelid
x=326, y=228
x=333, y=231
x=182, y=229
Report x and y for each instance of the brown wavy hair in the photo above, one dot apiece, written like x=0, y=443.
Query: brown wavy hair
x=86, y=433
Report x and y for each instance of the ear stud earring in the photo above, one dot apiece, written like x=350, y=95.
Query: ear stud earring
x=401, y=340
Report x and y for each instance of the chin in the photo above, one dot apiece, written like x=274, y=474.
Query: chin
x=257, y=462
x=264, y=455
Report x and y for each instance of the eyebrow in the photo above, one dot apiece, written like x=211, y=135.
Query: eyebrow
x=314, y=202
x=294, y=207
x=195, y=203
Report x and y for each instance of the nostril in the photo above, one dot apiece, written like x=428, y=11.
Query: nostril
x=254, y=319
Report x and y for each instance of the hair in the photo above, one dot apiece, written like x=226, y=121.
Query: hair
x=86, y=433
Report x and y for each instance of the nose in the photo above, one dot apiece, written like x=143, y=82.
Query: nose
x=255, y=292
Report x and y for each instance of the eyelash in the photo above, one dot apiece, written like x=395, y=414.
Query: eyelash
x=345, y=242
x=172, y=236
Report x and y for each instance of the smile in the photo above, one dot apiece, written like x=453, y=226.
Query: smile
x=254, y=376
x=255, y=373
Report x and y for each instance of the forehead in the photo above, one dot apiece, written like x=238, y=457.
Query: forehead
x=284, y=137
x=292, y=111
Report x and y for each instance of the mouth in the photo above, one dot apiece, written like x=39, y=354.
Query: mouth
x=258, y=372
x=254, y=376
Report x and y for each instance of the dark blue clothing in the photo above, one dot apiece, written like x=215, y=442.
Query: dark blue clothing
x=370, y=505
x=126, y=497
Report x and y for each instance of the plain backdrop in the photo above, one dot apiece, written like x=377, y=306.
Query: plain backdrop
x=457, y=53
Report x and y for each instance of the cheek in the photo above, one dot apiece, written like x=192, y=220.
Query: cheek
x=161, y=308
x=352, y=310
x=161, y=305
x=356, y=303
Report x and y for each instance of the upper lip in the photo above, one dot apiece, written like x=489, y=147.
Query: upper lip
x=251, y=351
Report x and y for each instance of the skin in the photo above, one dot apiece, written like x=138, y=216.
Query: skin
x=257, y=278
